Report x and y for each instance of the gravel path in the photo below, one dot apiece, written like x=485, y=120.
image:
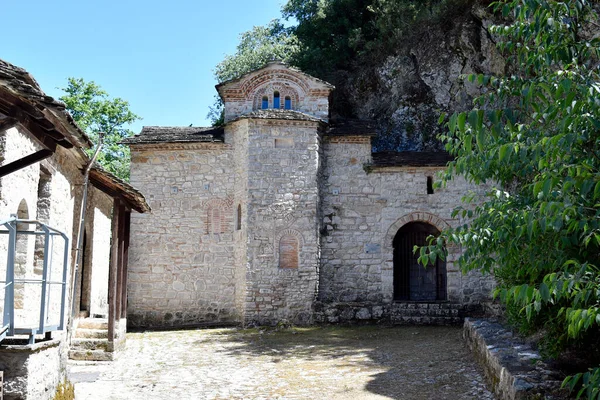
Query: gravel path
x=368, y=362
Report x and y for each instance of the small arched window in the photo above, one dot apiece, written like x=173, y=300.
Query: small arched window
x=288, y=103
x=276, y=100
x=238, y=225
x=265, y=102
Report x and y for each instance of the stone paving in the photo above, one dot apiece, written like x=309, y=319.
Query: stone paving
x=369, y=362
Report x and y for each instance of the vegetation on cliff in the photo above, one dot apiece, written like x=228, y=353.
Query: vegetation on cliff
x=535, y=137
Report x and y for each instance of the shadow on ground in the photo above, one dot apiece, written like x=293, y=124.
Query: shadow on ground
x=392, y=362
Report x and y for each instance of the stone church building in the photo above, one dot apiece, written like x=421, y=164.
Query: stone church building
x=282, y=214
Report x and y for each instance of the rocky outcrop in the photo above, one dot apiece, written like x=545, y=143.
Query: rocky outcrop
x=408, y=90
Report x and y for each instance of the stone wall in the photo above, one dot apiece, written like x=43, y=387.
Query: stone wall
x=32, y=372
x=236, y=134
x=92, y=292
x=283, y=204
x=51, y=191
x=362, y=212
x=60, y=173
x=515, y=370
x=181, y=255
x=100, y=207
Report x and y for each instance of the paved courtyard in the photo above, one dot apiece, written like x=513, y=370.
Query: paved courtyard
x=367, y=362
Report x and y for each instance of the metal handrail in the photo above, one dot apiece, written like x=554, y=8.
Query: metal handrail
x=8, y=327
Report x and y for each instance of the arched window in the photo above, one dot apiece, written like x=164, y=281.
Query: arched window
x=412, y=281
x=276, y=100
x=288, y=103
x=265, y=102
x=238, y=225
x=288, y=251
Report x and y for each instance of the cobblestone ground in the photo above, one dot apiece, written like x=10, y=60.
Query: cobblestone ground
x=368, y=362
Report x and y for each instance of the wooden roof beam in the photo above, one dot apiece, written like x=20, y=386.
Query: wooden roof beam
x=26, y=161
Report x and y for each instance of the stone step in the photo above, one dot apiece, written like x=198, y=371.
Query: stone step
x=93, y=323
x=426, y=320
x=425, y=312
x=91, y=333
x=91, y=344
x=91, y=355
x=427, y=306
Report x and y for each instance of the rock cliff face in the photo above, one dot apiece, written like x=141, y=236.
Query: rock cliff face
x=407, y=91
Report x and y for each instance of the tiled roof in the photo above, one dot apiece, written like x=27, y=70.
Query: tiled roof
x=411, y=159
x=176, y=134
x=117, y=187
x=351, y=127
x=20, y=91
x=273, y=113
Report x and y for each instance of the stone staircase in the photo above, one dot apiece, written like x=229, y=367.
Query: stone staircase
x=408, y=313
x=90, y=341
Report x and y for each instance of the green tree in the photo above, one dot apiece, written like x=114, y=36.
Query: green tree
x=534, y=138
x=95, y=111
x=257, y=47
x=339, y=35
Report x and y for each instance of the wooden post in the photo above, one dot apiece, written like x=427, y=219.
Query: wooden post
x=127, y=223
x=112, y=271
x=121, y=242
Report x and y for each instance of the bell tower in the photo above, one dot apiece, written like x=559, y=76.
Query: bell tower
x=274, y=119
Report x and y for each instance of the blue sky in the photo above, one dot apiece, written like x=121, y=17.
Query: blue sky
x=158, y=55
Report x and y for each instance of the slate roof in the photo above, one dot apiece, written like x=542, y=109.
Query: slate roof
x=116, y=187
x=176, y=134
x=39, y=112
x=411, y=159
x=273, y=113
x=351, y=127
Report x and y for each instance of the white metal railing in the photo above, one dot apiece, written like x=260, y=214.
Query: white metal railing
x=41, y=325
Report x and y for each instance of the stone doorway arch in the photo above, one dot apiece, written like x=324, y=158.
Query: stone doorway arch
x=453, y=275
x=413, y=281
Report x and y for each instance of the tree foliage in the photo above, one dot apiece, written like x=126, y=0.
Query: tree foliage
x=337, y=35
x=534, y=139
x=257, y=47
x=95, y=111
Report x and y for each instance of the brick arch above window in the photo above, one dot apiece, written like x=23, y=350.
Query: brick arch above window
x=268, y=91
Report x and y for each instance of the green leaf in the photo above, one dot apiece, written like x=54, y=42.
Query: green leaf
x=504, y=149
x=462, y=118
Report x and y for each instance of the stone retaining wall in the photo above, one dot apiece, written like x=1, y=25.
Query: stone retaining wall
x=32, y=371
x=513, y=368
x=409, y=313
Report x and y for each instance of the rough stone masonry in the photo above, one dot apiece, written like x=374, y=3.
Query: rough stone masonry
x=282, y=212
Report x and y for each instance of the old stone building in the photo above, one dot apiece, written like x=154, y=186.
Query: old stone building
x=283, y=214
x=43, y=300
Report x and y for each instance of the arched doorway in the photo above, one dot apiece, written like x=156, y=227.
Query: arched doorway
x=412, y=281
